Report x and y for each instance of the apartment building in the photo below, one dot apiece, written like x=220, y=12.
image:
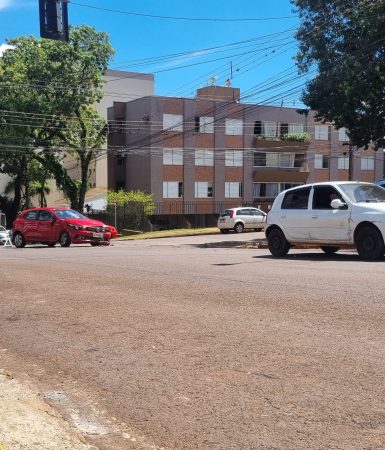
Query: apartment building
x=200, y=155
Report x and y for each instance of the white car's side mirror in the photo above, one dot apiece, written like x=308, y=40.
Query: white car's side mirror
x=337, y=204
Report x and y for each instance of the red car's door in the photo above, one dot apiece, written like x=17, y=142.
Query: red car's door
x=29, y=225
x=47, y=230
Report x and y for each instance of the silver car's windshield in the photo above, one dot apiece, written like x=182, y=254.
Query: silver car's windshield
x=363, y=192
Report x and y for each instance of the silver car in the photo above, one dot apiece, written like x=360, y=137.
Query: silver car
x=239, y=219
x=4, y=235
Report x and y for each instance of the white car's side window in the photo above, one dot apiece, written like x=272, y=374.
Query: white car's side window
x=296, y=199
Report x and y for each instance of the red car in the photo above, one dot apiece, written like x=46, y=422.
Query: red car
x=66, y=226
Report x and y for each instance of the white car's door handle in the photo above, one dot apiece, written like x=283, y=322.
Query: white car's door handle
x=314, y=217
x=283, y=217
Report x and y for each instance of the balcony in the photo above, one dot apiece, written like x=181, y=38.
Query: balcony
x=291, y=142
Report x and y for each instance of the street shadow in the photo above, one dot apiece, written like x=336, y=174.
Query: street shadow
x=226, y=264
x=318, y=256
x=222, y=244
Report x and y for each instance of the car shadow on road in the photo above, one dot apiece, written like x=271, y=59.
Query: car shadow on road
x=319, y=256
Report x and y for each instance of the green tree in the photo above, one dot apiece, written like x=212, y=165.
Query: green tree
x=82, y=138
x=46, y=91
x=344, y=43
x=133, y=207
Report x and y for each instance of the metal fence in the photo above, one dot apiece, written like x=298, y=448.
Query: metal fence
x=134, y=215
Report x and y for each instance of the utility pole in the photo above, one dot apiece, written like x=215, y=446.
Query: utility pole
x=350, y=154
x=350, y=173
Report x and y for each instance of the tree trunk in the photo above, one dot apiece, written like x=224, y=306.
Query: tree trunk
x=15, y=207
x=85, y=159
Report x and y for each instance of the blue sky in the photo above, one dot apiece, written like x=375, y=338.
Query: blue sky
x=257, y=53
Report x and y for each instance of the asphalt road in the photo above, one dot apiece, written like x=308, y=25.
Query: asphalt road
x=174, y=344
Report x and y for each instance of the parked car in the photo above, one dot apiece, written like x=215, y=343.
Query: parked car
x=59, y=225
x=330, y=215
x=380, y=183
x=4, y=234
x=239, y=219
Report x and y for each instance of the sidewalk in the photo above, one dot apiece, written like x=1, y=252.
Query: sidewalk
x=28, y=423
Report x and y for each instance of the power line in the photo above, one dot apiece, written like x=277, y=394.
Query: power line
x=199, y=19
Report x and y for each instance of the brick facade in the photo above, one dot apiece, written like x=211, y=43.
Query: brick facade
x=268, y=164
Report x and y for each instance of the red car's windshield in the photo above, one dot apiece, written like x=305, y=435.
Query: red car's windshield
x=68, y=214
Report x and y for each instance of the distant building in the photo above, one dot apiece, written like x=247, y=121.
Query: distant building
x=120, y=86
x=200, y=155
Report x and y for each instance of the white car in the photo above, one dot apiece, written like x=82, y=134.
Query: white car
x=239, y=219
x=4, y=235
x=330, y=215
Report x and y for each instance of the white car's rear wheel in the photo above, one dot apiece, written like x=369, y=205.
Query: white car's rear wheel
x=238, y=228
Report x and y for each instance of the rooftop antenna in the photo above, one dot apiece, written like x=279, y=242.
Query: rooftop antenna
x=212, y=80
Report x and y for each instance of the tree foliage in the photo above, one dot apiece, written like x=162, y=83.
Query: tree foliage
x=46, y=91
x=130, y=208
x=121, y=198
x=344, y=42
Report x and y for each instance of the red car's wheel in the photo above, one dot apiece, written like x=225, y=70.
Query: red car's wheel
x=65, y=239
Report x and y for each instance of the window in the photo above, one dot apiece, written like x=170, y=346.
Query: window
x=234, y=158
x=275, y=159
x=259, y=159
x=321, y=132
x=204, y=157
x=269, y=129
x=173, y=122
x=296, y=128
x=233, y=189
x=173, y=156
x=265, y=190
x=203, y=189
x=297, y=199
x=31, y=215
x=323, y=195
x=258, y=127
x=243, y=212
x=271, y=190
x=342, y=135
x=284, y=128
x=234, y=127
x=172, y=189
x=299, y=160
x=204, y=124
x=286, y=160
x=343, y=162
x=321, y=162
x=45, y=215
x=367, y=163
